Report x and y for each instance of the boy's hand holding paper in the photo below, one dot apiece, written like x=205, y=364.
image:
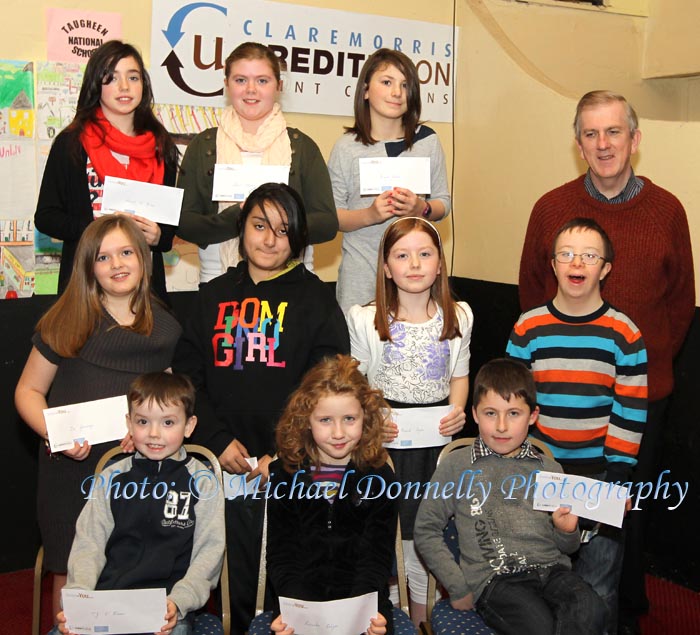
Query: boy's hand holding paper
x=99, y=612
x=587, y=497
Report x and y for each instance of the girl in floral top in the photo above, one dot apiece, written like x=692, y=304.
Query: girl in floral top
x=413, y=344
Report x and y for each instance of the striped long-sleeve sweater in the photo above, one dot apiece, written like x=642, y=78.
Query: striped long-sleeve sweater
x=591, y=377
x=652, y=280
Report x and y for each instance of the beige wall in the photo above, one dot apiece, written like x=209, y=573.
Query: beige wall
x=673, y=46
x=513, y=118
x=521, y=70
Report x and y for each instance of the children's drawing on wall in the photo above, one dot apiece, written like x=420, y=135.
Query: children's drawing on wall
x=182, y=261
x=16, y=99
x=182, y=266
x=18, y=175
x=17, y=166
x=47, y=259
x=58, y=86
x=187, y=120
x=47, y=250
x=16, y=258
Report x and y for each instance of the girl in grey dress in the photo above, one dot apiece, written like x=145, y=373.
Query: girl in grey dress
x=104, y=331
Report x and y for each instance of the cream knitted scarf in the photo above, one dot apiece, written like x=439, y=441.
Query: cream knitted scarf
x=271, y=141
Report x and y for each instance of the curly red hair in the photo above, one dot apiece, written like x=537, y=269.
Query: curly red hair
x=333, y=376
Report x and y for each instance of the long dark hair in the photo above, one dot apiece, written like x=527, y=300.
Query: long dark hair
x=99, y=71
x=362, y=129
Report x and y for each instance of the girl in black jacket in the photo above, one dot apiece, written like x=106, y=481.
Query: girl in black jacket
x=114, y=133
x=331, y=526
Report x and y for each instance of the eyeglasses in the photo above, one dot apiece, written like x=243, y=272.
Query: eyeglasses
x=566, y=257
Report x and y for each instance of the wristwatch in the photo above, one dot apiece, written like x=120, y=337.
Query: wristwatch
x=428, y=211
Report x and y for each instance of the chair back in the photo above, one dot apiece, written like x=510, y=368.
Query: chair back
x=541, y=447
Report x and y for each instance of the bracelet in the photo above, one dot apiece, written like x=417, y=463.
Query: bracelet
x=428, y=211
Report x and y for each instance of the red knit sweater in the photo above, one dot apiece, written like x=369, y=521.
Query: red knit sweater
x=652, y=277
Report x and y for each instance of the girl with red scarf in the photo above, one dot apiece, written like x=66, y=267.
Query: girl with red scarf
x=114, y=133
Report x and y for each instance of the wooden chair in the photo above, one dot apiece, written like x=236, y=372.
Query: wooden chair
x=205, y=623
x=402, y=622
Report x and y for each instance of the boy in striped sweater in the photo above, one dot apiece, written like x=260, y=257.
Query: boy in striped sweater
x=590, y=367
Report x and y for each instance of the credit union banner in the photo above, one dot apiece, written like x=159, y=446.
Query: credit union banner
x=324, y=50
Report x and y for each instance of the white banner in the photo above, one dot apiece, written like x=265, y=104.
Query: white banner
x=324, y=50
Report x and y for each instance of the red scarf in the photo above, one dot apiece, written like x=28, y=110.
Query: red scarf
x=101, y=139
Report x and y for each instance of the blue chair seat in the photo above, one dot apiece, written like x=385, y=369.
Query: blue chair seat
x=261, y=624
x=448, y=621
x=207, y=624
x=402, y=624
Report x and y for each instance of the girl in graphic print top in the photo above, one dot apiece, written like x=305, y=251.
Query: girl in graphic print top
x=103, y=332
x=413, y=343
x=387, y=112
x=114, y=133
x=338, y=545
x=252, y=334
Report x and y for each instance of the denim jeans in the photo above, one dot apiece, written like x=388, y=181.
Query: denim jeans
x=550, y=601
x=599, y=562
x=183, y=627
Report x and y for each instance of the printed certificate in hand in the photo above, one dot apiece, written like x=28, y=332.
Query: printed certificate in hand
x=418, y=427
x=378, y=174
x=233, y=182
x=236, y=485
x=587, y=497
x=100, y=612
x=159, y=203
x=92, y=421
x=339, y=617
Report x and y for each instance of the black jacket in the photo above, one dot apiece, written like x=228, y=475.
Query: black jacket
x=64, y=208
x=318, y=551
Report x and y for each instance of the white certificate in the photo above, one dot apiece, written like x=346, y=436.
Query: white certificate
x=233, y=182
x=379, y=174
x=236, y=485
x=418, y=427
x=159, y=203
x=587, y=497
x=100, y=612
x=339, y=617
x=92, y=421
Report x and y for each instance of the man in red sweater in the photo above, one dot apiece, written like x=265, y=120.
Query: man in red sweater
x=652, y=283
